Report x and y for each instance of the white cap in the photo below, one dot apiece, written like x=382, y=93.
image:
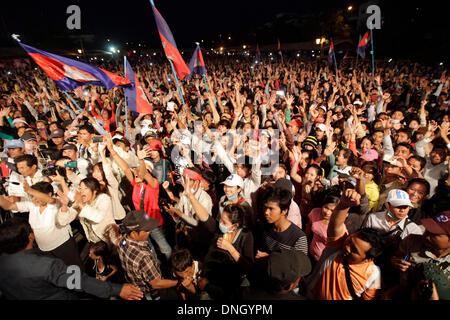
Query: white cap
x=321, y=127
x=358, y=102
x=398, y=198
x=234, y=180
x=323, y=108
x=146, y=122
x=344, y=172
x=144, y=131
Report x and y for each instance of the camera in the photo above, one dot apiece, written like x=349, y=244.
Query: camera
x=52, y=170
x=97, y=139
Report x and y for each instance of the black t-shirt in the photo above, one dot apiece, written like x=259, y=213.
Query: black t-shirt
x=293, y=238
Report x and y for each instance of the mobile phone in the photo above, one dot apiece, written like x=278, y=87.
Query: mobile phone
x=97, y=139
x=406, y=258
x=280, y=92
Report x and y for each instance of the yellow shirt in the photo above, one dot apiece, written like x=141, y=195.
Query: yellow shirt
x=373, y=194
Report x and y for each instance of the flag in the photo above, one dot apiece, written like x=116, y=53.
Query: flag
x=169, y=45
x=196, y=65
x=331, y=53
x=258, y=53
x=363, y=43
x=69, y=74
x=279, y=50
x=344, y=59
x=136, y=99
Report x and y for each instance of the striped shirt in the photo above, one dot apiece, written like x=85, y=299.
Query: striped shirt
x=293, y=238
x=140, y=264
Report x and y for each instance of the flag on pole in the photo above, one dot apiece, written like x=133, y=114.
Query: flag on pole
x=331, y=53
x=344, y=59
x=69, y=74
x=136, y=98
x=279, y=50
x=258, y=53
x=363, y=44
x=169, y=45
x=197, y=64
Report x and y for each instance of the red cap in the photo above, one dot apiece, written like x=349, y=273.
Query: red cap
x=155, y=145
x=295, y=122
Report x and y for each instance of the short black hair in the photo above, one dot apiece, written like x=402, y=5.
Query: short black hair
x=406, y=145
x=422, y=160
x=281, y=196
x=419, y=180
x=14, y=234
x=43, y=186
x=88, y=128
x=29, y=158
x=375, y=239
x=180, y=260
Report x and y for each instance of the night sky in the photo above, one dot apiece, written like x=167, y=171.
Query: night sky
x=411, y=28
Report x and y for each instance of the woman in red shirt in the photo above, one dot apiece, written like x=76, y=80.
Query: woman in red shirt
x=145, y=195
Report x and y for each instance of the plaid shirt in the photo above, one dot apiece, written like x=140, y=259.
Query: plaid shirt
x=140, y=264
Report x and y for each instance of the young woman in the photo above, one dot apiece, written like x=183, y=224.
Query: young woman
x=102, y=171
x=104, y=268
x=317, y=227
x=372, y=189
x=145, y=194
x=230, y=254
x=92, y=207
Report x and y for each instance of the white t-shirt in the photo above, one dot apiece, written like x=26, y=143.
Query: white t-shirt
x=48, y=235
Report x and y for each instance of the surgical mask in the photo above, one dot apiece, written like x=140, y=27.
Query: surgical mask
x=392, y=216
x=232, y=197
x=224, y=229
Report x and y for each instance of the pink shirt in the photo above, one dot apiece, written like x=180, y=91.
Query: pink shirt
x=319, y=231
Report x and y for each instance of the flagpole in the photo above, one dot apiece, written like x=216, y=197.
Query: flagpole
x=126, y=107
x=176, y=80
x=206, y=85
x=373, y=61
x=335, y=64
x=73, y=101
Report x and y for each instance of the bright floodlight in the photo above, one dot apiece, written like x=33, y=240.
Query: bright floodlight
x=112, y=49
x=350, y=8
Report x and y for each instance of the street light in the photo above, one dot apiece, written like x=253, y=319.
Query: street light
x=350, y=8
x=112, y=49
x=244, y=46
x=80, y=51
x=318, y=41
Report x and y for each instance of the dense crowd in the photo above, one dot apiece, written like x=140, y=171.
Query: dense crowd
x=272, y=181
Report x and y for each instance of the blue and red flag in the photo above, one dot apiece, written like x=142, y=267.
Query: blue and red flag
x=258, y=53
x=279, y=50
x=169, y=45
x=331, y=53
x=363, y=44
x=136, y=98
x=197, y=64
x=69, y=74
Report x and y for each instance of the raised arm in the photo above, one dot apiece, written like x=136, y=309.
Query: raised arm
x=336, y=226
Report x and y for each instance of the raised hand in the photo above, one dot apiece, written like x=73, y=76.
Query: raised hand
x=350, y=198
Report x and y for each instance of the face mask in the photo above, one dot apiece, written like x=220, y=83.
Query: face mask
x=224, y=229
x=232, y=197
x=392, y=216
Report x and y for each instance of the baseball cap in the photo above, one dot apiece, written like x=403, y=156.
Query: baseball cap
x=358, y=102
x=233, y=180
x=150, y=133
x=321, y=127
x=17, y=120
x=155, y=145
x=323, y=108
x=57, y=133
x=398, y=198
x=13, y=144
x=295, y=123
x=440, y=224
x=139, y=220
x=285, y=266
x=370, y=155
x=27, y=136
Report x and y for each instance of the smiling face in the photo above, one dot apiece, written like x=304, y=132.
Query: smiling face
x=417, y=192
x=231, y=191
x=366, y=145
